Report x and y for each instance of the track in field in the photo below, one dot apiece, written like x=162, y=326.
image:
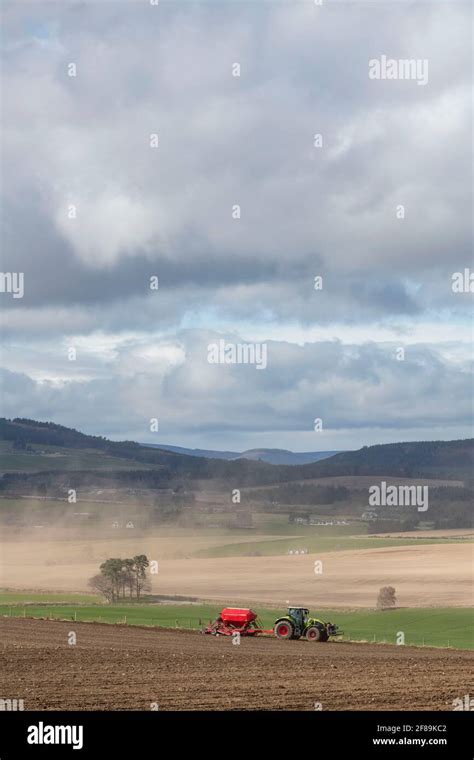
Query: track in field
x=129, y=668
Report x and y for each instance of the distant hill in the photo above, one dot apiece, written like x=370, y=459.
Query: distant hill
x=282, y=456
x=42, y=461
x=24, y=436
x=423, y=459
x=427, y=459
x=207, y=453
x=271, y=456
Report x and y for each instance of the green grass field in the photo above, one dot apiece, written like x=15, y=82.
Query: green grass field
x=313, y=543
x=441, y=627
x=59, y=458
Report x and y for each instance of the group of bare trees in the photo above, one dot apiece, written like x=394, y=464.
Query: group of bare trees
x=119, y=578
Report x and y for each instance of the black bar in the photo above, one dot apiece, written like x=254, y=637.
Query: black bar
x=233, y=734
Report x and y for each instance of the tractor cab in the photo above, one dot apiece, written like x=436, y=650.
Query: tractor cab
x=299, y=615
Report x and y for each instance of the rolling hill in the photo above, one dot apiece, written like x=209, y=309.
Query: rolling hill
x=428, y=459
x=271, y=456
x=28, y=439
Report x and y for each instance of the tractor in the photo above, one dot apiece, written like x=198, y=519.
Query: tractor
x=298, y=624
x=295, y=625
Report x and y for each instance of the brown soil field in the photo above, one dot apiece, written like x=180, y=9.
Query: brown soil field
x=424, y=576
x=130, y=668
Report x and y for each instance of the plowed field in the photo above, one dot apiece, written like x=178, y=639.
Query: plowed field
x=131, y=668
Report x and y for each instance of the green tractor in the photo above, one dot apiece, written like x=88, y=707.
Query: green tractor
x=298, y=623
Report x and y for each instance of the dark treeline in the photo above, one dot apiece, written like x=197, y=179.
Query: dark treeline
x=420, y=459
x=55, y=483
x=24, y=433
x=428, y=459
x=299, y=493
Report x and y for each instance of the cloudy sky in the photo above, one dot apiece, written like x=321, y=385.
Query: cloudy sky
x=236, y=151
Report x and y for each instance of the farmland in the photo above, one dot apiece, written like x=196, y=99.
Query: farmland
x=61, y=458
x=119, y=668
x=266, y=553
x=448, y=627
x=425, y=574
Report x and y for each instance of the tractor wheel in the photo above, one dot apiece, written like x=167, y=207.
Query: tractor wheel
x=284, y=630
x=313, y=633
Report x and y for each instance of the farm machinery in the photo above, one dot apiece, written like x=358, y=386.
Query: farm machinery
x=295, y=625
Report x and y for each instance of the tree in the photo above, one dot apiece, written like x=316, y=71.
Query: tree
x=112, y=569
x=386, y=598
x=103, y=585
x=128, y=572
x=140, y=564
x=116, y=575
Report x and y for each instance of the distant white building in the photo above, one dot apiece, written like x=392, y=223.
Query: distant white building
x=297, y=551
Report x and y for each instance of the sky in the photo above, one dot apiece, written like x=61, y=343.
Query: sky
x=176, y=175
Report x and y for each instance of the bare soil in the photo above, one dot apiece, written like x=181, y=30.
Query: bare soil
x=130, y=668
x=430, y=575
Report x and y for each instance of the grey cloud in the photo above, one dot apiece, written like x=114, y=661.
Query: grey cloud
x=347, y=386
x=306, y=211
x=225, y=141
